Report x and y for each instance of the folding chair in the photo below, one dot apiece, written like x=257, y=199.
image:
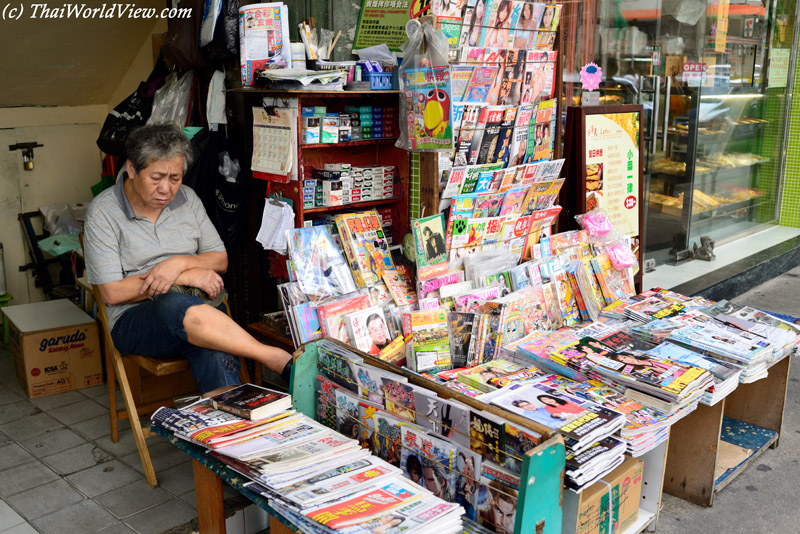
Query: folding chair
x=126, y=371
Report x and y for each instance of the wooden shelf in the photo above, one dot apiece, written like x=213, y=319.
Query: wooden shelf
x=379, y=140
x=694, y=440
x=748, y=437
x=353, y=205
x=321, y=94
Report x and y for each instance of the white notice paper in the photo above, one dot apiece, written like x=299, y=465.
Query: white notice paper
x=277, y=218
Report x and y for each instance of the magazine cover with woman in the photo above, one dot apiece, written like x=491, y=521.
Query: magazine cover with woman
x=572, y=416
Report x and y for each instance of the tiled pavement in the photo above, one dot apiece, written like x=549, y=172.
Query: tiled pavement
x=61, y=474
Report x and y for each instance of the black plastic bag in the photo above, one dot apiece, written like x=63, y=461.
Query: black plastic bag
x=226, y=34
x=127, y=115
x=181, y=45
x=223, y=199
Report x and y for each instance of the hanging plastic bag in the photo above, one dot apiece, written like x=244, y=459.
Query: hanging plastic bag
x=424, y=75
x=171, y=102
x=127, y=115
x=596, y=223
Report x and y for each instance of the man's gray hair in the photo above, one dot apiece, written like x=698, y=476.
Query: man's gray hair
x=155, y=142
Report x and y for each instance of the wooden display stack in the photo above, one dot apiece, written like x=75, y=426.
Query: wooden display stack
x=379, y=151
x=750, y=417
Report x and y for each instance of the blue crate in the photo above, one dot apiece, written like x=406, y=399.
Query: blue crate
x=379, y=81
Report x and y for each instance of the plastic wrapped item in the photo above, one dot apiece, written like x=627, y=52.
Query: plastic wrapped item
x=324, y=45
x=320, y=268
x=61, y=219
x=171, y=102
x=596, y=223
x=425, y=102
x=380, y=53
x=621, y=255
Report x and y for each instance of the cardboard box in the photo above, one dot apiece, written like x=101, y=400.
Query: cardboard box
x=56, y=347
x=588, y=513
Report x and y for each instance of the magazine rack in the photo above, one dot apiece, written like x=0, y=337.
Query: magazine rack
x=542, y=468
x=541, y=493
x=750, y=417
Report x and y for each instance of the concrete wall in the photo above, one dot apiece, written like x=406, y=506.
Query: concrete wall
x=65, y=168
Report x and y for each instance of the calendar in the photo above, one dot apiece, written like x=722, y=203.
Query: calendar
x=272, y=140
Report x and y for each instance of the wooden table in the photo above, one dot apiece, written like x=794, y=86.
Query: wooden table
x=209, y=473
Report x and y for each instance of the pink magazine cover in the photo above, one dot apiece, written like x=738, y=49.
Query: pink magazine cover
x=331, y=316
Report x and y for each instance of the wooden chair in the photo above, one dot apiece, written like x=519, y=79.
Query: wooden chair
x=127, y=372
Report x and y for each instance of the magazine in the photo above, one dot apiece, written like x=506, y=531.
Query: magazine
x=430, y=85
x=319, y=266
x=429, y=246
x=365, y=246
x=367, y=330
x=347, y=418
x=430, y=345
x=461, y=328
x=338, y=364
x=429, y=461
x=400, y=287
x=441, y=417
x=574, y=417
x=487, y=436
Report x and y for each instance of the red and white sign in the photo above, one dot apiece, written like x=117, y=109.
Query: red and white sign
x=694, y=73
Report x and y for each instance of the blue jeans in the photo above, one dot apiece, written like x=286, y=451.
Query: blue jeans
x=154, y=328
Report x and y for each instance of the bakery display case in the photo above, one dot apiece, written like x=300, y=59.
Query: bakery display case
x=712, y=77
x=710, y=180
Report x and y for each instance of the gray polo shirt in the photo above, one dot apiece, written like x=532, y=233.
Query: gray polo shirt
x=119, y=244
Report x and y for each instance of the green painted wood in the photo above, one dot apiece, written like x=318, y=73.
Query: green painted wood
x=540, y=487
x=303, y=382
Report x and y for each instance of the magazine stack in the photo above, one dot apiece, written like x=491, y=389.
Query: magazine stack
x=587, y=427
x=725, y=375
x=317, y=478
x=645, y=428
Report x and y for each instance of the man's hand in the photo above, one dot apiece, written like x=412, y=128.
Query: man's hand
x=162, y=276
x=206, y=279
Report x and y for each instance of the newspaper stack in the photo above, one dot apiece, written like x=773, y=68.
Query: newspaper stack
x=750, y=351
x=725, y=375
x=319, y=479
